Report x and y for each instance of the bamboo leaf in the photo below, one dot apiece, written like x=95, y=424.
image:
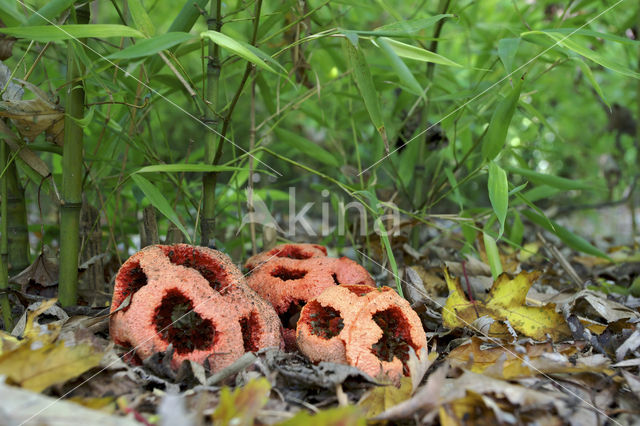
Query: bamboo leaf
x=239, y=48
x=48, y=12
x=67, y=32
x=141, y=18
x=364, y=81
x=401, y=69
x=307, y=147
x=9, y=13
x=517, y=230
x=173, y=168
x=493, y=255
x=158, y=200
x=406, y=28
x=569, y=238
x=412, y=52
x=498, y=193
x=499, y=125
x=569, y=43
x=151, y=46
x=507, y=49
x=589, y=74
x=550, y=180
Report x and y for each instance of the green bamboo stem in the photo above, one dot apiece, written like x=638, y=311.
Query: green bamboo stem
x=4, y=246
x=207, y=223
x=17, y=232
x=210, y=180
x=71, y=176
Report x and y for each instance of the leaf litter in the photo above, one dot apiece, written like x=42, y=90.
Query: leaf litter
x=526, y=348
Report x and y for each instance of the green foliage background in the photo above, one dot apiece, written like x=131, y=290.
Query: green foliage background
x=336, y=90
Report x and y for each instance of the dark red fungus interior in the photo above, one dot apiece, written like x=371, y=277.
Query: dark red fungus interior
x=325, y=321
x=360, y=290
x=286, y=274
x=292, y=252
x=190, y=257
x=177, y=323
x=134, y=279
x=395, y=336
x=290, y=317
x=251, y=329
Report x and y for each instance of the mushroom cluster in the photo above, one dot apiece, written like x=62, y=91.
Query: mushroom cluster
x=194, y=299
x=290, y=275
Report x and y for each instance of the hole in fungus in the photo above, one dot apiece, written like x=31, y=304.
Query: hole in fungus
x=395, y=337
x=194, y=259
x=250, y=326
x=325, y=322
x=335, y=278
x=177, y=323
x=290, y=317
x=360, y=290
x=135, y=279
x=286, y=274
x=292, y=252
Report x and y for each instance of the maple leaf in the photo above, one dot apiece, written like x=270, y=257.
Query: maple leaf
x=505, y=304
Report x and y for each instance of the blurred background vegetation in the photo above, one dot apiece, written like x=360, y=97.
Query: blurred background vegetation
x=492, y=112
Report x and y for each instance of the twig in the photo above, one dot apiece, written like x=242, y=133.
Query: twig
x=562, y=260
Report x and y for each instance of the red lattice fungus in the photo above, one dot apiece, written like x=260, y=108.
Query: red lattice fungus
x=290, y=275
x=372, y=329
x=193, y=298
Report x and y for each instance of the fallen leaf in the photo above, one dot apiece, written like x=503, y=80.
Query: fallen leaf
x=39, y=276
x=382, y=398
x=241, y=406
x=419, y=364
x=341, y=416
x=506, y=304
x=36, y=367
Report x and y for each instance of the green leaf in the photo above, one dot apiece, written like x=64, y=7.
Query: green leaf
x=364, y=81
x=158, y=200
x=239, y=48
x=412, y=52
x=51, y=10
x=389, y=250
x=589, y=74
x=307, y=147
x=406, y=28
x=141, y=18
x=498, y=193
x=507, y=49
x=493, y=255
x=173, y=168
x=517, y=230
x=562, y=40
x=151, y=46
x=72, y=31
x=499, y=125
x=550, y=180
x=569, y=238
x=401, y=69
x=9, y=13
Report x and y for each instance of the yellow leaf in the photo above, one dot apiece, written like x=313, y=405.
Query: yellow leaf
x=45, y=333
x=38, y=368
x=241, y=406
x=505, y=303
x=8, y=342
x=341, y=416
x=469, y=410
x=382, y=398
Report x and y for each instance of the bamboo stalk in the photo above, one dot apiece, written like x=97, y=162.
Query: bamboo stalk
x=4, y=246
x=207, y=223
x=17, y=231
x=71, y=176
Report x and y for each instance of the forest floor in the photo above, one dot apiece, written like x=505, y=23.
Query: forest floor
x=559, y=345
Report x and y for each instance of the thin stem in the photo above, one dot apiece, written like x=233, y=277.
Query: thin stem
x=4, y=242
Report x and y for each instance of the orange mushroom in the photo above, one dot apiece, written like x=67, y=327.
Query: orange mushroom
x=365, y=327
x=194, y=298
x=290, y=275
